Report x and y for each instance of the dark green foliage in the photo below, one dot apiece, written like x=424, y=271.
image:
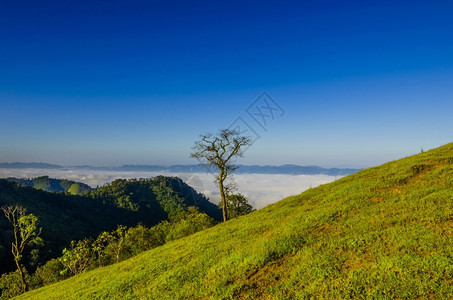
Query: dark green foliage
x=78, y=258
x=157, y=198
x=238, y=205
x=76, y=189
x=62, y=217
x=108, y=248
x=25, y=233
x=51, y=272
x=116, y=246
x=123, y=243
x=187, y=223
x=141, y=238
x=11, y=285
x=54, y=185
x=66, y=217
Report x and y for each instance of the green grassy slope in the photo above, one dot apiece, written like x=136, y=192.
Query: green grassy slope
x=385, y=232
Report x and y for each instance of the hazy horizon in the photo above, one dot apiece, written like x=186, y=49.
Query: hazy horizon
x=240, y=162
x=171, y=165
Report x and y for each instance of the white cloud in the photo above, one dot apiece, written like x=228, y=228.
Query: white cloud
x=260, y=189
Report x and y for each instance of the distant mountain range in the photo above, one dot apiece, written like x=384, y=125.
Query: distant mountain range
x=243, y=169
x=32, y=165
x=48, y=184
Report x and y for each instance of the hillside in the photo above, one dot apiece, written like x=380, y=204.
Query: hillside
x=62, y=217
x=385, y=232
x=48, y=184
x=66, y=217
x=154, y=199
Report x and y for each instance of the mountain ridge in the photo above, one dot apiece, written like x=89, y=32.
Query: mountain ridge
x=48, y=184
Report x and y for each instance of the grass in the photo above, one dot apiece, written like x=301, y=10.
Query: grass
x=385, y=232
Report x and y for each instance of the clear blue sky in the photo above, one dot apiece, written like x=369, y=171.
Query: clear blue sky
x=116, y=82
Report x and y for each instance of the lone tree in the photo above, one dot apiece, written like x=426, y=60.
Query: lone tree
x=25, y=232
x=220, y=151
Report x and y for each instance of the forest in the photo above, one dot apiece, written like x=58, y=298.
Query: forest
x=96, y=228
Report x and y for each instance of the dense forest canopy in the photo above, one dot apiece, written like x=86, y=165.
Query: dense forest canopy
x=48, y=184
x=65, y=217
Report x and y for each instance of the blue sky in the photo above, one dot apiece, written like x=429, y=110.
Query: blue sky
x=116, y=82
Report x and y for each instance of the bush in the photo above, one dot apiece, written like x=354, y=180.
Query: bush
x=11, y=284
x=187, y=223
x=51, y=272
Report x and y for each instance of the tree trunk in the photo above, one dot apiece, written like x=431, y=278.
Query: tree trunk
x=120, y=247
x=22, y=276
x=224, y=200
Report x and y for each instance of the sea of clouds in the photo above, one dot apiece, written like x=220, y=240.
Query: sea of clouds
x=260, y=189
